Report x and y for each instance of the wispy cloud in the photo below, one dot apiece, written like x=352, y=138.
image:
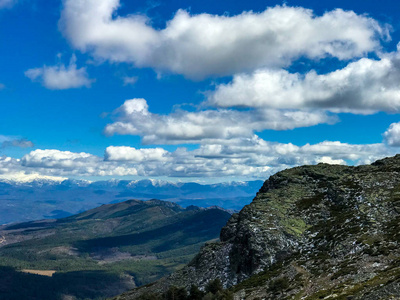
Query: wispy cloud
x=130, y=80
x=7, y=3
x=61, y=77
x=12, y=141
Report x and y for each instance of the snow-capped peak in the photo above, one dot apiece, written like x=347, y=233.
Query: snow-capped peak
x=21, y=178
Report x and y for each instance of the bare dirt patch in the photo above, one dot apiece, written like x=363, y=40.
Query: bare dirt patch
x=48, y=273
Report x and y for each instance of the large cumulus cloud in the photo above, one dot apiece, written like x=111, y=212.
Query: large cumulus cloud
x=363, y=86
x=201, y=45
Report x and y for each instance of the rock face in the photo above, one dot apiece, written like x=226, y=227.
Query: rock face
x=312, y=232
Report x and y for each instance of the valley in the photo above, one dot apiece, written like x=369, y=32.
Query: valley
x=104, y=251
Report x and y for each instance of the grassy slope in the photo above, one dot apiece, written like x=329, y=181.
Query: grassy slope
x=106, y=250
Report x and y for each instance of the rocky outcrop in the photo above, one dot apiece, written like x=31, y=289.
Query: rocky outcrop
x=312, y=232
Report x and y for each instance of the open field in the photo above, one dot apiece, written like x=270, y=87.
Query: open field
x=48, y=273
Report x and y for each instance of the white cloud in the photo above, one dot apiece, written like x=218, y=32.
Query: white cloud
x=57, y=159
x=53, y=162
x=9, y=165
x=392, y=135
x=135, y=155
x=278, y=155
x=201, y=45
x=61, y=77
x=134, y=118
x=330, y=161
x=364, y=86
x=239, y=158
x=360, y=154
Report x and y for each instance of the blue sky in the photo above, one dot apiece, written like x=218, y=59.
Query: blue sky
x=195, y=90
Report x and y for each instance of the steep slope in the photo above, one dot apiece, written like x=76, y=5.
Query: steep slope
x=312, y=232
x=106, y=250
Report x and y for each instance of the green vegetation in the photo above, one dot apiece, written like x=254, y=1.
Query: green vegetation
x=213, y=291
x=105, y=251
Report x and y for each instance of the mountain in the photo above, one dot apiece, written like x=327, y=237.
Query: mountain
x=311, y=232
x=45, y=198
x=104, y=251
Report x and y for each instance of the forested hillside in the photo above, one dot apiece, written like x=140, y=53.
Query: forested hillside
x=104, y=251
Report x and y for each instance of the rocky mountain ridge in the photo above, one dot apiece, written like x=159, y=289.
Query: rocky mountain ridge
x=311, y=232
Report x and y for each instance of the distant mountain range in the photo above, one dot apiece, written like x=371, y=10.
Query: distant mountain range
x=104, y=251
x=44, y=198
